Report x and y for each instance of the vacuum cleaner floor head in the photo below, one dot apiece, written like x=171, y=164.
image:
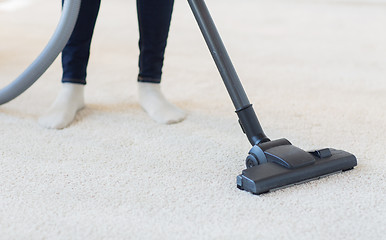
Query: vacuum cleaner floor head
x=281, y=164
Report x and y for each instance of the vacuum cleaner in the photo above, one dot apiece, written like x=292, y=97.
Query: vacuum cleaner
x=270, y=164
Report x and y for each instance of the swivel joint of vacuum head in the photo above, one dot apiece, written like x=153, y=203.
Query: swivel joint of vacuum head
x=257, y=153
x=250, y=125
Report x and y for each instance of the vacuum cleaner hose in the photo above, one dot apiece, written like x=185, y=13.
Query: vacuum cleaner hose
x=55, y=46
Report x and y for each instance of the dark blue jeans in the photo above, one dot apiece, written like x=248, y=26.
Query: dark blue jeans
x=154, y=18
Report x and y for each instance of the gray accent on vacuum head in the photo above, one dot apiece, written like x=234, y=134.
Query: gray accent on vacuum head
x=56, y=44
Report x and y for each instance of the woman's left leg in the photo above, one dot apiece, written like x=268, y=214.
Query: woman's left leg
x=154, y=17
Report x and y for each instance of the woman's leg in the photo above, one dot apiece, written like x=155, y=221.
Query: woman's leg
x=76, y=54
x=154, y=18
x=75, y=58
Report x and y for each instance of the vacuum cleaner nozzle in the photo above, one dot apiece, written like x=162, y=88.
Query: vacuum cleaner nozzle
x=277, y=164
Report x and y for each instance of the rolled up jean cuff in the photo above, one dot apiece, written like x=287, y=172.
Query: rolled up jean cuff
x=74, y=80
x=148, y=79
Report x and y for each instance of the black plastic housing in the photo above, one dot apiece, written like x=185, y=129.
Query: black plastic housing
x=272, y=175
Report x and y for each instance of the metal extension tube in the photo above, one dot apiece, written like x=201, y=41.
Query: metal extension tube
x=247, y=117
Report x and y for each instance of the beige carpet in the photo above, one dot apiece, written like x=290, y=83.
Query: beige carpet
x=315, y=71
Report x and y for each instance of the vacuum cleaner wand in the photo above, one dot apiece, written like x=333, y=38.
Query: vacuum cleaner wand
x=247, y=116
x=270, y=164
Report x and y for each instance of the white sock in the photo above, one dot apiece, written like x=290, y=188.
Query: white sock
x=155, y=104
x=62, y=112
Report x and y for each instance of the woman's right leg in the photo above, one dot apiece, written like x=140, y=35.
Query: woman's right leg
x=75, y=58
x=76, y=54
